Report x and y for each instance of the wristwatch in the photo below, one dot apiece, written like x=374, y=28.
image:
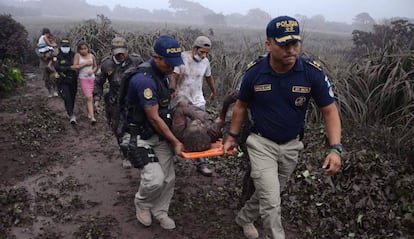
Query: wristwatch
x=338, y=147
x=233, y=135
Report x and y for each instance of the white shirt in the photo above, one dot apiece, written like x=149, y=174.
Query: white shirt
x=41, y=40
x=190, y=81
x=83, y=72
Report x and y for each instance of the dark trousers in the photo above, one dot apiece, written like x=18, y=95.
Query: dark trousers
x=68, y=92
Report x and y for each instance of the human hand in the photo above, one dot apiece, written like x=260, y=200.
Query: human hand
x=332, y=164
x=178, y=148
x=230, y=97
x=211, y=97
x=219, y=121
x=90, y=73
x=229, y=144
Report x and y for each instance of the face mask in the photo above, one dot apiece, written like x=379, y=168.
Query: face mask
x=197, y=58
x=65, y=49
x=115, y=61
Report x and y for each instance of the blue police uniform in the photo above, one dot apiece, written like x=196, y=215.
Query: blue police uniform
x=142, y=89
x=147, y=89
x=278, y=104
x=283, y=119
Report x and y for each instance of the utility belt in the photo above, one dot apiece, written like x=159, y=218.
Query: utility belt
x=140, y=156
x=278, y=141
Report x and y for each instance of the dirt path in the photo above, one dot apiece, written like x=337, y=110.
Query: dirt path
x=64, y=181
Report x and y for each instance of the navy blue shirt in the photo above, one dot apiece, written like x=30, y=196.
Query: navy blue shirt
x=278, y=102
x=142, y=90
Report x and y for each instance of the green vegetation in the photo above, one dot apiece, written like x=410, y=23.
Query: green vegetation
x=13, y=45
x=10, y=78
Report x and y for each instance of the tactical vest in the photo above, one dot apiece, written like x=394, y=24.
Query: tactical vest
x=136, y=113
x=62, y=63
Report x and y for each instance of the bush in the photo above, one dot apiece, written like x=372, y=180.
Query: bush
x=13, y=39
x=10, y=77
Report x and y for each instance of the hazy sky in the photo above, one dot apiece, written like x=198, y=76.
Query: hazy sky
x=333, y=10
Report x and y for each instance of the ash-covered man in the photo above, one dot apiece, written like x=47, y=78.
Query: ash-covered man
x=152, y=144
x=193, y=126
x=187, y=80
x=277, y=90
x=113, y=70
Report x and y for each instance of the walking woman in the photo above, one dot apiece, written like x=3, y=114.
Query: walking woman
x=85, y=63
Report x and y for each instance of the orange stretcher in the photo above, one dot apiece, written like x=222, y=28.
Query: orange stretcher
x=215, y=150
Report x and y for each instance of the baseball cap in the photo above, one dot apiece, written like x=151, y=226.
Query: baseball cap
x=119, y=45
x=169, y=49
x=65, y=42
x=203, y=42
x=283, y=29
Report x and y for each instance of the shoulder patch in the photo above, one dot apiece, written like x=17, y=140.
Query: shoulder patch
x=253, y=63
x=147, y=93
x=314, y=64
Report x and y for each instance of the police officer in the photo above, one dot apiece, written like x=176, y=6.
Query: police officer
x=149, y=119
x=66, y=77
x=277, y=90
x=113, y=70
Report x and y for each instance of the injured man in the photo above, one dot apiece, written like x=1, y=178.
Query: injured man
x=193, y=126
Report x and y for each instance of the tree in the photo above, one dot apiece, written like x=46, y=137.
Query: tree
x=215, y=19
x=363, y=21
x=398, y=34
x=317, y=22
x=188, y=11
x=13, y=39
x=257, y=17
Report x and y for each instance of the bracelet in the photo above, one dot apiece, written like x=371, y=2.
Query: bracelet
x=335, y=151
x=233, y=135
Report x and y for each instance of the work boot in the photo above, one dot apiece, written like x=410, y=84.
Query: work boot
x=167, y=223
x=249, y=230
x=204, y=170
x=143, y=216
x=73, y=119
x=126, y=164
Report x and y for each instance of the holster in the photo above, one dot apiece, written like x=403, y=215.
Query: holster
x=140, y=156
x=145, y=132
